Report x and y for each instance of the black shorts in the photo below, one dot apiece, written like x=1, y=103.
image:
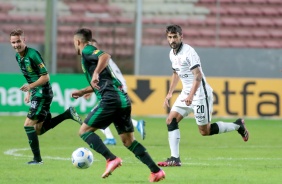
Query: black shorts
x=106, y=113
x=39, y=108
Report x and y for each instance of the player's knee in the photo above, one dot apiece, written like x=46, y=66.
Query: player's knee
x=173, y=125
x=127, y=139
x=204, y=132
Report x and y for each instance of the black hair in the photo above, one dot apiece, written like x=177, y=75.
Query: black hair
x=174, y=29
x=86, y=34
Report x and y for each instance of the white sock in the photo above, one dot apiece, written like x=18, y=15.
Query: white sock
x=174, y=139
x=108, y=133
x=226, y=127
x=134, y=122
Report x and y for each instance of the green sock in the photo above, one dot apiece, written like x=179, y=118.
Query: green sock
x=141, y=153
x=95, y=142
x=33, y=142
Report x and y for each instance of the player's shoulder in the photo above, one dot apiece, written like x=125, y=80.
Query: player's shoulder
x=187, y=48
x=32, y=50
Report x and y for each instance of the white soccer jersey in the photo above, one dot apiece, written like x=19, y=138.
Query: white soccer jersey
x=118, y=74
x=183, y=62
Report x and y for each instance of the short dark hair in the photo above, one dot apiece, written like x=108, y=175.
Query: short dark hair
x=17, y=32
x=94, y=40
x=174, y=29
x=86, y=34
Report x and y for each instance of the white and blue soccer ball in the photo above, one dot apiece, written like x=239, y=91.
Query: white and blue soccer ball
x=82, y=158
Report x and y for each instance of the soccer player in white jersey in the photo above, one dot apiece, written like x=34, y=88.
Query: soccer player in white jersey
x=140, y=124
x=196, y=96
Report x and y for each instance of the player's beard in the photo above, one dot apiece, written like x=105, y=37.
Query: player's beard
x=174, y=45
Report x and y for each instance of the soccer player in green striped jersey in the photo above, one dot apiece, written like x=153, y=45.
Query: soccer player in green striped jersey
x=38, y=92
x=114, y=106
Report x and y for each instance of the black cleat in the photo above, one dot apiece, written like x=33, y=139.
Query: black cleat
x=172, y=161
x=242, y=129
x=35, y=162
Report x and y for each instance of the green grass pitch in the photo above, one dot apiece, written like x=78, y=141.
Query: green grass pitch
x=219, y=159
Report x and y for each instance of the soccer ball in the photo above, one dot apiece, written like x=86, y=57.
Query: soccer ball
x=82, y=158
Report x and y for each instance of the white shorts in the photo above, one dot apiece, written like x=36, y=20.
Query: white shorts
x=201, y=108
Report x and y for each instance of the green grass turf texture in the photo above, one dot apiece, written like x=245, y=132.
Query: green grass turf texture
x=218, y=159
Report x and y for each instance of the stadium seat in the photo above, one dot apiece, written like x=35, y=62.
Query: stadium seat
x=237, y=43
x=277, y=22
x=226, y=33
x=97, y=8
x=270, y=11
x=207, y=33
x=265, y=22
x=272, y=44
x=260, y=33
x=255, y=43
x=235, y=11
x=252, y=11
x=275, y=33
x=247, y=22
x=243, y=33
x=191, y=33
x=241, y=2
x=230, y=21
x=274, y=2
x=262, y=2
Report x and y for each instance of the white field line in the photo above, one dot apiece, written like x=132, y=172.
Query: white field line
x=18, y=152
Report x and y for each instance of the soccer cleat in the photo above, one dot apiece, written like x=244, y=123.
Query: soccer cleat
x=158, y=176
x=74, y=115
x=141, y=128
x=172, y=161
x=111, y=166
x=242, y=129
x=111, y=141
x=35, y=162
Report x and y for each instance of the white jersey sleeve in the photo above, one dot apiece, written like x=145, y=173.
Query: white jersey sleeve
x=183, y=62
x=116, y=71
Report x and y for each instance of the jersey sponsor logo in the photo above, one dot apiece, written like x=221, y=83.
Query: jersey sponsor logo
x=183, y=75
x=33, y=104
x=200, y=117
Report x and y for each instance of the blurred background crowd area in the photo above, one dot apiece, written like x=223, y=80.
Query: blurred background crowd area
x=205, y=23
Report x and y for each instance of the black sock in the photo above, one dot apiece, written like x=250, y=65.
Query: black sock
x=94, y=141
x=50, y=122
x=214, y=129
x=141, y=153
x=33, y=142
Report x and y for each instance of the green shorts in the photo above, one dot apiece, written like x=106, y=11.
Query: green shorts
x=106, y=113
x=39, y=108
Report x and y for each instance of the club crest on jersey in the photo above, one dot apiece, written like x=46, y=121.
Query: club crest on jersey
x=28, y=68
x=188, y=61
x=96, y=51
x=41, y=65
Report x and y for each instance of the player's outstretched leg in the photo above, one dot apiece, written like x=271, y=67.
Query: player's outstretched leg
x=242, y=130
x=111, y=166
x=172, y=161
